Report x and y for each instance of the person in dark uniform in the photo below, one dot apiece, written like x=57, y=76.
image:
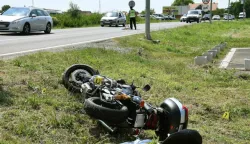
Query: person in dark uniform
x=132, y=16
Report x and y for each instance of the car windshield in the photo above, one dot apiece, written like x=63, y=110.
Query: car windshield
x=17, y=12
x=193, y=12
x=112, y=14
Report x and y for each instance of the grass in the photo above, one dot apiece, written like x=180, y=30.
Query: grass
x=36, y=108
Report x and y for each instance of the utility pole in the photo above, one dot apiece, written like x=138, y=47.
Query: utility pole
x=228, y=10
x=244, y=13
x=99, y=6
x=211, y=8
x=147, y=27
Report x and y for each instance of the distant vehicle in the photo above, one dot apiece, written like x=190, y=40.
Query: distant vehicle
x=242, y=15
x=194, y=16
x=206, y=17
x=183, y=18
x=25, y=20
x=167, y=17
x=232, y=17
x=227, y=17
x=172, y=17
x=159, y=16
x=216, y=17
x=113, y=18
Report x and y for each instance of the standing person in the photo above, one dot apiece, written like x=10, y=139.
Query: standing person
x=132, y=16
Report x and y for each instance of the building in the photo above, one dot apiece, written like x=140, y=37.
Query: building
x=180, y=10
x=53, y=11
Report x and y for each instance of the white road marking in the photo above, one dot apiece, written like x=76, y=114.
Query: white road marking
x=60, y=46
x=225, y=62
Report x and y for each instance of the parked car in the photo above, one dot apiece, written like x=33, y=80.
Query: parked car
x=113, y=18
x=206, y=17
x=25, y=20
x=156, y=17
x=172, y=17
x=159, y=16
x=183, y=18
x=216, y=17
x=167, y=17
x=194, y=16
x=227, y=17
x=242, y=15
x=232, y=17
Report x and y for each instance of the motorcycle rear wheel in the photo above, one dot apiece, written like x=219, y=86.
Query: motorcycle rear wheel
x=70, y=78
x=111, y=113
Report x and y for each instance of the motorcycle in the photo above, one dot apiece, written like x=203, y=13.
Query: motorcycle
x=117, y=104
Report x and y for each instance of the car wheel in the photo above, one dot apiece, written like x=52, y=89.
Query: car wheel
x=124, y=24
x=102, y=25
x=109, y=25
x=48, y=28
x=198, y=21
x=26, y=29
x=117, y=23
x=186, y=21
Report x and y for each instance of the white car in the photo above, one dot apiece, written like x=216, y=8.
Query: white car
x=113, y=18
x=25, y=20
x=183, y=18
x=242, y=15
x=194, y=16
x=216, y=17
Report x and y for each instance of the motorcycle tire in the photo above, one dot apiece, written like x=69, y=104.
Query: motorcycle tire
x=109, y=113
x=73, y=87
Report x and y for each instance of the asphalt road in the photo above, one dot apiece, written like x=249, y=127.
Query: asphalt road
x=12, y=44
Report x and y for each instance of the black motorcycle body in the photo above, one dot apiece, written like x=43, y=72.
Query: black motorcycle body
x=119, y=105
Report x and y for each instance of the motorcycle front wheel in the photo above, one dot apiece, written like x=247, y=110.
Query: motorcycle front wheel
x=75, y=76
x=111, y=113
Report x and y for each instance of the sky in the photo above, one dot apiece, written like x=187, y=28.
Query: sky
x=93, y=5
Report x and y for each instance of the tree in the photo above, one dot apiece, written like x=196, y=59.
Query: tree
x=5, y=7
x=152, y=11
x=237, y=7
x=219, y=12
x=182, y=2
x=74, y=10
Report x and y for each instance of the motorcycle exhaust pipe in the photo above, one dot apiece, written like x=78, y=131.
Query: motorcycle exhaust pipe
x=107, y=127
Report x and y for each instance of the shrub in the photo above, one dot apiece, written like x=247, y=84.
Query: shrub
x=55, y=21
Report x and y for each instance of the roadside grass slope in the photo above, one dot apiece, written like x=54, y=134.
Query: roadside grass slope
x=36, y=108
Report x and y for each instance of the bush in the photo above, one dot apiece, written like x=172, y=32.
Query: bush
x=55, y=21
x=66, y=20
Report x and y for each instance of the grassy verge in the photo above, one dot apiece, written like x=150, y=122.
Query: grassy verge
x=35, y=107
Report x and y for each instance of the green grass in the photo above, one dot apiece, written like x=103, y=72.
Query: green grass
x=36, y=108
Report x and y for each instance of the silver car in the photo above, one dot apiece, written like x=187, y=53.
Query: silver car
x=113, y=18
x=25, y=20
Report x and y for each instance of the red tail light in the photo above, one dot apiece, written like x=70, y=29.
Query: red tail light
x=186, y=112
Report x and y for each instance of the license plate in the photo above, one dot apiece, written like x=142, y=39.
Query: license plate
x=2, y=26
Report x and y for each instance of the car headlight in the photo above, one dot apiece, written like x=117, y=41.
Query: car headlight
x=16, y=22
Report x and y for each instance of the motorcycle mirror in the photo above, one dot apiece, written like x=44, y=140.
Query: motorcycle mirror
x=146, y=88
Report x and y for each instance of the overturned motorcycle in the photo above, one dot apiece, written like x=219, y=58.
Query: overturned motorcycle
x=119, y=105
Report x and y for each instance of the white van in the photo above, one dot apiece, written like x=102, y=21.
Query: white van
x=194, y=16
x=242, y=15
